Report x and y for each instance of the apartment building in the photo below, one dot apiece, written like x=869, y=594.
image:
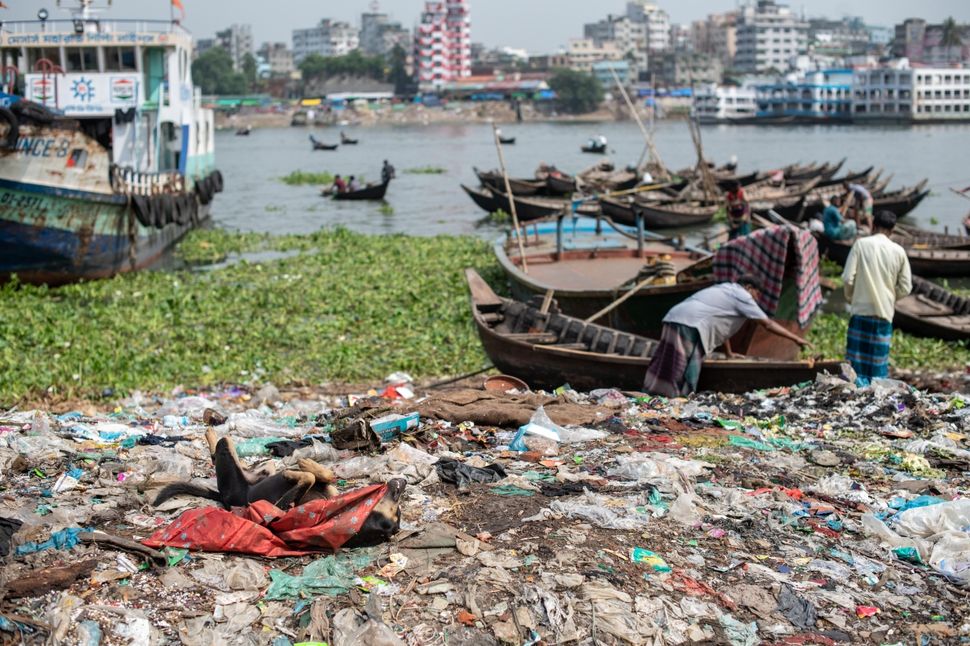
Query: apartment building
x=769, y=36
x=442, y=41
x=328, y=38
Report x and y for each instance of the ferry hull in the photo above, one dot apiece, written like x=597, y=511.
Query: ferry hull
x=53, y=239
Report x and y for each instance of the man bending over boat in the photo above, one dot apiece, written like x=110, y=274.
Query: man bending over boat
x=876, y=274
x=833, y=219
x=698, y=326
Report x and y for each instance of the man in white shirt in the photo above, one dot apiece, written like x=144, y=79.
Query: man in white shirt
x=698, y=326
x=877, y=273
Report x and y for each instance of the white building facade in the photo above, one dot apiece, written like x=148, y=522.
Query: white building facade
x=769, y=36
x=911, y=95
x=326, y=39
x=442, y=41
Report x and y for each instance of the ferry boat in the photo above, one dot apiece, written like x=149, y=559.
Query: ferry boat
x=106, y=155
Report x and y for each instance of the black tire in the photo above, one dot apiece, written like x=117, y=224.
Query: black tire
x=142, y=208
x=204, y=188
x=33, y=112
x=193, y=210
x=167, y=203
x=218, y=184
x=10, y=141
x=155, y=208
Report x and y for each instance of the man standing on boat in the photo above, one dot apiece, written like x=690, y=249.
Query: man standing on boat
x=738, y=211
x=698, y=326
x=877, y=273
x=860, y=199
x=387, y=172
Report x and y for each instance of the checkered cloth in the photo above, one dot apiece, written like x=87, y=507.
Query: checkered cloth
x=676, y=365
x=867, y=347
x=764, y=254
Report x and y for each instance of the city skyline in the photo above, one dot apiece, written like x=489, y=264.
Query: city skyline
x=490, y=21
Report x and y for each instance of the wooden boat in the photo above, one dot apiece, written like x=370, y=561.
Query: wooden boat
x=596, y=149
x=549, y=349
x=244, y=132
x=496, y=181
x=928, y=262
x=347, y=141
x=766, y=191
x=369, y=192
x=900, y=202
x=485, y=200
x=657, y=215
x=934, y=312
x=862, y=177
x=560, y=184
x=537, y=208
x=910, y=236
x=319, y=145
x=508, y=141
x=588, y=264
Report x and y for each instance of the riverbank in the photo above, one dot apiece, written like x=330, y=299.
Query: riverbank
x=452, y=113
x=293, y=310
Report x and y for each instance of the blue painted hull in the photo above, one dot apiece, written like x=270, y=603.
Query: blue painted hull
x=53, y=239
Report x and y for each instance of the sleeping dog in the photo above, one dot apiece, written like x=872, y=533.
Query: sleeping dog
x=238, y=487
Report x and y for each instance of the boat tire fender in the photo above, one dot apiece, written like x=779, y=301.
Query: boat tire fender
x=204, y=188
x=142, y=208
x=218, y=184
x=155, y=208
x=193, y=202
x=178, y=210
x=167, y=203
x=10, y=141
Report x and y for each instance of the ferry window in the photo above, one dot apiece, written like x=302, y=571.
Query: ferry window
x=81, y=59
x=34, y=55
x=119, y=59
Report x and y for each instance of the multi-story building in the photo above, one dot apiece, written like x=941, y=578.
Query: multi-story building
x=238, y=41
x=820, y=96
x=656, y=21
x=683, y=69
x=629, y=36
x=769, y=35
x=905, y=94
x=921, y=42
x=845, y=37
x=378, y=35
x=715, y=103
x=716, y=36
x=328, y=38
x=442, y=43
x=278, y=59
x=583, y=53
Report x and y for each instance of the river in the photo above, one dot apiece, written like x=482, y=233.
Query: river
x=428, y=204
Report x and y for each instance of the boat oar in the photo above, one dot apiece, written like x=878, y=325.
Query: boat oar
x=508, y=192
x=622, y=299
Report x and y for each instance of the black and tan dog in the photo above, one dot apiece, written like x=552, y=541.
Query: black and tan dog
x=238, y=487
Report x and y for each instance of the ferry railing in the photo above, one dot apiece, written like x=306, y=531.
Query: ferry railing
x=129, y=181
x=100, y=26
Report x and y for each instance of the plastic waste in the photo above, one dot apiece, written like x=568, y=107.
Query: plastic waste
x=541, y=434
x=331, y=575
x=603, y=512
x=650, y=559
x=924, y=522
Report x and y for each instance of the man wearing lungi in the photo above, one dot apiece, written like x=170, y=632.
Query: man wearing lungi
x=877, y=273
x=698, y=326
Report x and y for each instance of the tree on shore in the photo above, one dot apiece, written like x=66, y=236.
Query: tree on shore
x=355, y=63
x=576, y=92
x=212, y=71
x=952, y=37
x=398, y=73
x=249, y=71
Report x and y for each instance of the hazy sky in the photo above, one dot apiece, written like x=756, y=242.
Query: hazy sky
x=535, y=25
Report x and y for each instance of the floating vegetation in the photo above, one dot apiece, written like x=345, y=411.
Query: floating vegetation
x=426, y=170
x=385, y=209
x=333, y=313
x=300, y=178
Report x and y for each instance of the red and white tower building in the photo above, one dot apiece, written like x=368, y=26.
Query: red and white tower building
x=443, y=46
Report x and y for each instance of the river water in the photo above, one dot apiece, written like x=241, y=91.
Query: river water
x=256, y=200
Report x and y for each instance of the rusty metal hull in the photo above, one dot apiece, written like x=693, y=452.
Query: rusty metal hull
x=547, y=351
x=50, y=238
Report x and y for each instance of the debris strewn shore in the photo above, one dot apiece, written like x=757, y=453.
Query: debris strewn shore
x=819, y=514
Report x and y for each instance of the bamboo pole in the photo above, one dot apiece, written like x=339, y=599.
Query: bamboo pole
x=511, y=198
x=622, y=299
x=654, y=155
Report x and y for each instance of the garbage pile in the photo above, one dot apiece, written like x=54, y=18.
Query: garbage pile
x=818, y=514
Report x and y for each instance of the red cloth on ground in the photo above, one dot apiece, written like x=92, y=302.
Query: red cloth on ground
x=263, y=529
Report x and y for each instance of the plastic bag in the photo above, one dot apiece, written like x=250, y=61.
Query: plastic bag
x=540, y=434
x=578, y=434
x=924, y=522
x=951, y=557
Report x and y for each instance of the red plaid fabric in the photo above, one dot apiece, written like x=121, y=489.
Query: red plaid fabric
x=764, y=254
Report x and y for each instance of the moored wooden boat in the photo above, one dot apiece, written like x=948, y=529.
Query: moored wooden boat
x=669, y=216
x=537, y=208
x=560, y=184
x=369, y=192
x=549, y=349
x=924, y=261
x=934, y=312
x=485, y=200
x=496, y=181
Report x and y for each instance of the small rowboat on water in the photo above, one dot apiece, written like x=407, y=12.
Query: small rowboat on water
x=319, y=145
x=369, y=192
x=549, y=349
x=508, y=141
x=596, y=149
